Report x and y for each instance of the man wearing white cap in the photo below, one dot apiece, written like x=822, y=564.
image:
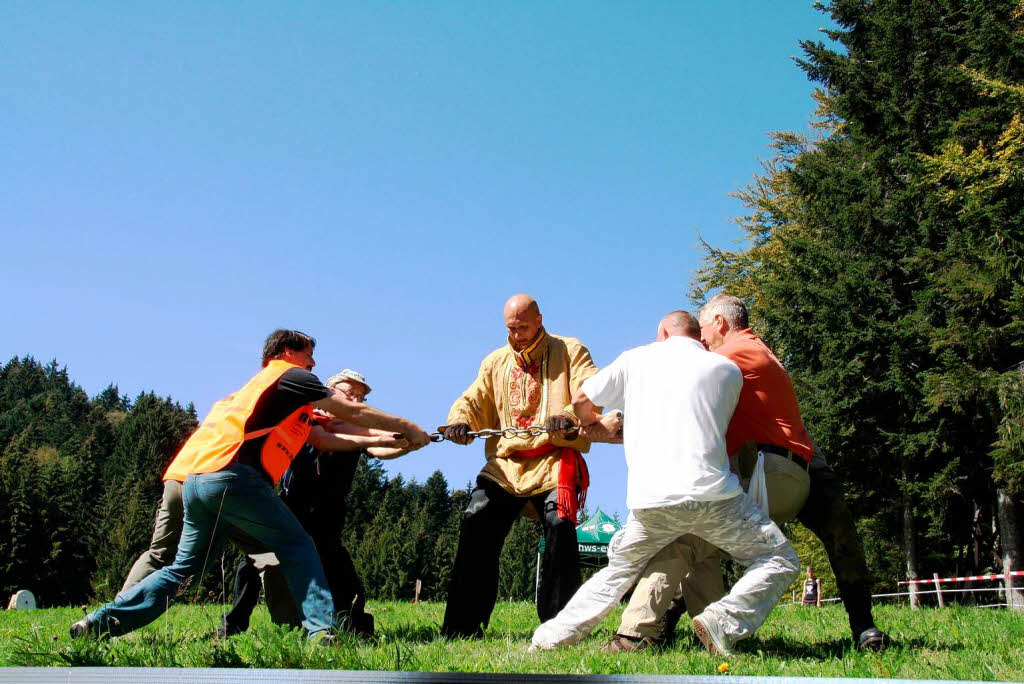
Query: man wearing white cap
x=315, y=488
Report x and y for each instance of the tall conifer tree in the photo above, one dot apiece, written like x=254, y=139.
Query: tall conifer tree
x=884, y=263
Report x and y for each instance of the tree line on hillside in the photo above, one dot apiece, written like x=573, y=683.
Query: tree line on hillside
x=80, y=480
x=884, y=262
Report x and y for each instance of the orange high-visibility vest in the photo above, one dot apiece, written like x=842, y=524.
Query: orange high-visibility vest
x=215, y=444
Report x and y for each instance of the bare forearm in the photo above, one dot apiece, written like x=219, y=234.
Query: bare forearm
x=386, y=453
x=328, y=441
x=325, y=440
x=365, y=416
x=375, y=419
x=585, y=410
x=340, y=427
x=364, y=441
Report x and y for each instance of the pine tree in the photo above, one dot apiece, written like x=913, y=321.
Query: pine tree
x=53, y=439
x=149, y=437
x=110, y=399
x=434, y=511
x=447, y=543
x=368, y=485
x=518, y=561
x=385, y=561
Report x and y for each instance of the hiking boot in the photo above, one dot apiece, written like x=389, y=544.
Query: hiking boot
x=84, y=628
x=872, y=639
x=621, y=643
x=710, y=633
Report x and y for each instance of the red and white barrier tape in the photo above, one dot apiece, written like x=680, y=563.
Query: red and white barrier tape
x=972, y=578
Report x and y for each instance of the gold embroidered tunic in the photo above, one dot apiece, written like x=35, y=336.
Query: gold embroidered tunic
x=520, y=389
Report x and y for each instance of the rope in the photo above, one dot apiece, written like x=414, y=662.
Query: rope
x=972, y=578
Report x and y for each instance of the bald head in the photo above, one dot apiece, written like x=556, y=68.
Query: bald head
x=521, y=303
x=678, y=324
x=523, y=320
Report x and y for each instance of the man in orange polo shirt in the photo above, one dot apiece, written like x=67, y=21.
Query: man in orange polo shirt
x=766, y=420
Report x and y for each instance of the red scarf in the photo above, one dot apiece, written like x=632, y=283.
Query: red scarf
x=573, y=478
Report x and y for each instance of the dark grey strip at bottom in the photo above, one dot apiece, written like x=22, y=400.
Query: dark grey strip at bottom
x=169, y=675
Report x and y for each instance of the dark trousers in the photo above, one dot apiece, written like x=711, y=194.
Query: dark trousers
x=342, y=579
x=827, y=516
x=485, y=524
x=246, y=595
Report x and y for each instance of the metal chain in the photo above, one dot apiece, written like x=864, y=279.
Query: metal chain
x=507, y=433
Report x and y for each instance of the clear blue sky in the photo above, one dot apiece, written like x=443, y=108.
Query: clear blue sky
x=178, y=179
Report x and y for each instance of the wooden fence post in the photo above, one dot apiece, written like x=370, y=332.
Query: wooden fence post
x=938, y=590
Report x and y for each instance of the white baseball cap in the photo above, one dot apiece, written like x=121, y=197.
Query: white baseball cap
x=348, y=374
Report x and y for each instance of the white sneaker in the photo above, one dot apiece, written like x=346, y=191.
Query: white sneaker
x=542, y=642
x=708, y=630
x=548, y=638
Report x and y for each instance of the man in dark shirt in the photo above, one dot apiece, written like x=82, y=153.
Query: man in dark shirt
x=812, y=590
x=316, y=488
x=242, y=447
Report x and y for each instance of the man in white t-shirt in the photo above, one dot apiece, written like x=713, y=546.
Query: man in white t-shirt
x=678, y=399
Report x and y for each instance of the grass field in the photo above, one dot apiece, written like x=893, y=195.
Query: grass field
x=951, y=643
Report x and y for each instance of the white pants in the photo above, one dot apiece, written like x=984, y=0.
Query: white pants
x=690, y=567
x=737, y=525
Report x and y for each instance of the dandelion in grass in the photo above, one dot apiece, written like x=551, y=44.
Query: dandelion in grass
x=723, y=668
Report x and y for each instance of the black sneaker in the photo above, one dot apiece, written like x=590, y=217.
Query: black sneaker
x=227, y=629
x=872, y=639
x=363, y=625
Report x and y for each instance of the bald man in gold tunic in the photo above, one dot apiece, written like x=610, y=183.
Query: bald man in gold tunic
x=527, y=382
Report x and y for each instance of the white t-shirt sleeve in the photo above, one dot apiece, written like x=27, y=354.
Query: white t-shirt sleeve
x=608, y=387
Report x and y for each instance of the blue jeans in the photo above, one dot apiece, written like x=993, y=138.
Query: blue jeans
x=234, y=499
